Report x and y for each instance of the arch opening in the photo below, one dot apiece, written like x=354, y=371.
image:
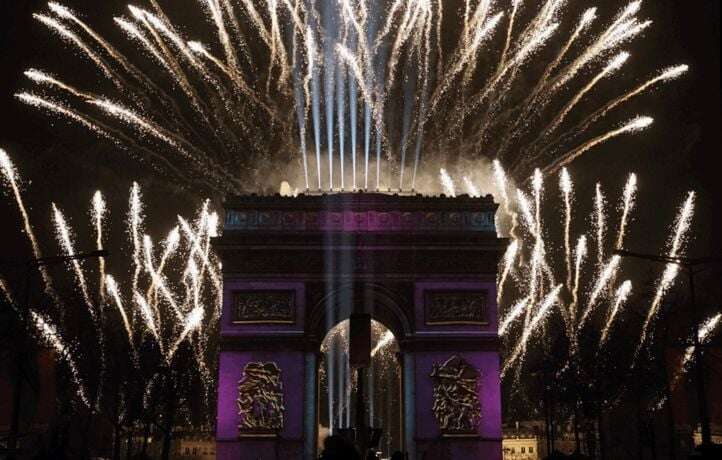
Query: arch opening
x=338, y=386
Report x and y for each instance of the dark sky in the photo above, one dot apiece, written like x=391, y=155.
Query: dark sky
x=680, y=151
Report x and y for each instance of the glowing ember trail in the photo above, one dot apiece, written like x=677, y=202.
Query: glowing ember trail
x=49, y=333
x=676, y=248
x=299, y=66
x=621, y=296
x=169, y=311
x=10, y=175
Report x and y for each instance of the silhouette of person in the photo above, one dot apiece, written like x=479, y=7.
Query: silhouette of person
x=339, y=448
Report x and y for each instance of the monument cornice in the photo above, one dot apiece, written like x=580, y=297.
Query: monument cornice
x=360, y=213
x=362, y=201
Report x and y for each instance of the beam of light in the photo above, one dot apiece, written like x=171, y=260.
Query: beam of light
x=681, y=227
x=312, y=77
x=620, y=297
x=50, y=335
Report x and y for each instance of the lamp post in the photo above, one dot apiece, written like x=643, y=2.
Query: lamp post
x=690, y=266
x=31, y=266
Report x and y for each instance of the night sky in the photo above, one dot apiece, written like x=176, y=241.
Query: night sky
x=66, y=163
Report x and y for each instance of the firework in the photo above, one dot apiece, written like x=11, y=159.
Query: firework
x=565, y=185
x=168, y=310
x=703, y=336
x=447, y=182
x=49, y=334
x=621, y=296
x=531, y=327
x=299, y=78
x=630, y=191
x=532, y=292
x=676, y=248
x=10, y=175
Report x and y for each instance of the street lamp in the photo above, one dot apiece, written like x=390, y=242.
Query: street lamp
x=689, y=265
x=30, y=266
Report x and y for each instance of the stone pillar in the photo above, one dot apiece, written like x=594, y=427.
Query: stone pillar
x=310, y=418
x=262, y=334
x=455, y=346
x=409, y=379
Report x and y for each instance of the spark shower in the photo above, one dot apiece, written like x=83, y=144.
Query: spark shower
x=371, y=95
x=351, y=94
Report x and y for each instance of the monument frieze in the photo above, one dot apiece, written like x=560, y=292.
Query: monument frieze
x=455, y=307
x=253, y=307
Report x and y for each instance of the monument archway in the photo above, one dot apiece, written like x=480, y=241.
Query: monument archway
x=339, y=386
x=294, y=267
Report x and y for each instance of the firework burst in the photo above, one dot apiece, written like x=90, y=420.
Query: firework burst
x=592, y=290
x=336, y=74
x=159, y=304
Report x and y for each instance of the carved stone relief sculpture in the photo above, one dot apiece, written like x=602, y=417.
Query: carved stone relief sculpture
x=456, y=403
x=260, y=398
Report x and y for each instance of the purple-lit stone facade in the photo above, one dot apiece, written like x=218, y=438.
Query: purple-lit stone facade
x=487, y=442
x=390, y=256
